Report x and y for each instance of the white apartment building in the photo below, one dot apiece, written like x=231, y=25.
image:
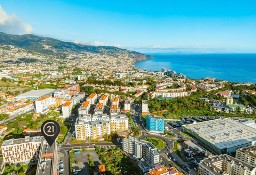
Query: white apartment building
x=84, y=108
x=92, y=98
x=225, y=164
x=21, y=150
x=144, y=107
x=103, y=100
x=247, y=155
x=118, y=123
x=141, y=149
x=127, y=106
x=167, y=94
x=96, y=126
x=67, y=109
x=42, y=104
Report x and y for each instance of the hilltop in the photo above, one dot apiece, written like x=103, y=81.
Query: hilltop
x=60, y=49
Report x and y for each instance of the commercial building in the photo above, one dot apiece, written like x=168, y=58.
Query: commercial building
x=222, y=135
x=35, y=94
x=247, y=155
x=225, y=164
x=154, y=124
x=142, y=150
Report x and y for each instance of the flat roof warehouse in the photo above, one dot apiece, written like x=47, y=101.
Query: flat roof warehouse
x=35, y=94
x=226, y=135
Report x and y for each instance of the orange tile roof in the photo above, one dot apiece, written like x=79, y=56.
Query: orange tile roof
x=68, y=103
x=85, y=104
x=116, y=99
x=92, y=95
x=47, y=155
x=158, y=171
x=99, y=105
x=114, y=107
x=2, y=127
x=42, y=98
x=102, y=168
x=103, y=97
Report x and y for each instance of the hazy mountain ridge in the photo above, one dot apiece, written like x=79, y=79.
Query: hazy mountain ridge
x=51, y=46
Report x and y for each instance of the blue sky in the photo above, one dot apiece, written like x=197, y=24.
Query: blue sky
x=219, y=25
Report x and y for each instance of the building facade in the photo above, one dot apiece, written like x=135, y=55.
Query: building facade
x=247, y=155
x=154, y=124
x=225, y=164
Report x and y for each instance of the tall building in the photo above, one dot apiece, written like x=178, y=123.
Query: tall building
x=144, y=108
x=92, y=98
x=67, y=109
x=247, y=155
x=47, y=159
x=222, y=135
x=154, y=123
x=225, y=164
x=84, y=109
x=127, y=105
x=141, y=149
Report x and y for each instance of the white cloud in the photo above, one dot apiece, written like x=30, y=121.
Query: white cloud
x=98, y=43
x=12, y=24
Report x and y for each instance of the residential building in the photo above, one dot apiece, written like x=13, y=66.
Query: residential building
x=144, y=107
x=160, y=170
x=154, y=123
x=247, y=155
x=96, y=126
x=47, y=159
x=103, y=99
x=143, y=151
x=42, y=104
x=67, y=109
x=225, y=164
x=2, y=129
x=21, y=150
x=118, y=123
x=92, y=98
x=127, y=105
x=222, y=135
x=84, y=108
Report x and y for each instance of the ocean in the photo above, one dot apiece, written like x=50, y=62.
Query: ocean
x=230, y=67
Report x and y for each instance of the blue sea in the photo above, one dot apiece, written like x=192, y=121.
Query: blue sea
x=231, y=67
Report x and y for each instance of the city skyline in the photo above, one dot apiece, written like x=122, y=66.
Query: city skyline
x=198, y=26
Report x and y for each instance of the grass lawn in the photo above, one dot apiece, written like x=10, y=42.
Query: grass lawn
x=116, y=161
x=26, y=121
x=158, y=143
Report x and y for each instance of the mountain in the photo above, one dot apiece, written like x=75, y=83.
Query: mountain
x=51, y=46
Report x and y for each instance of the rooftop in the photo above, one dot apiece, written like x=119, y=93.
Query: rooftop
x=224, y=133
x=27, y=139
x=35, y=94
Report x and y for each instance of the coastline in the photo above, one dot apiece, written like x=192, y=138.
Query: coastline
x=234, y=77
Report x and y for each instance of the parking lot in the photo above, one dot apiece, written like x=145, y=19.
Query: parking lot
x=80, y=161
x=190, y=120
